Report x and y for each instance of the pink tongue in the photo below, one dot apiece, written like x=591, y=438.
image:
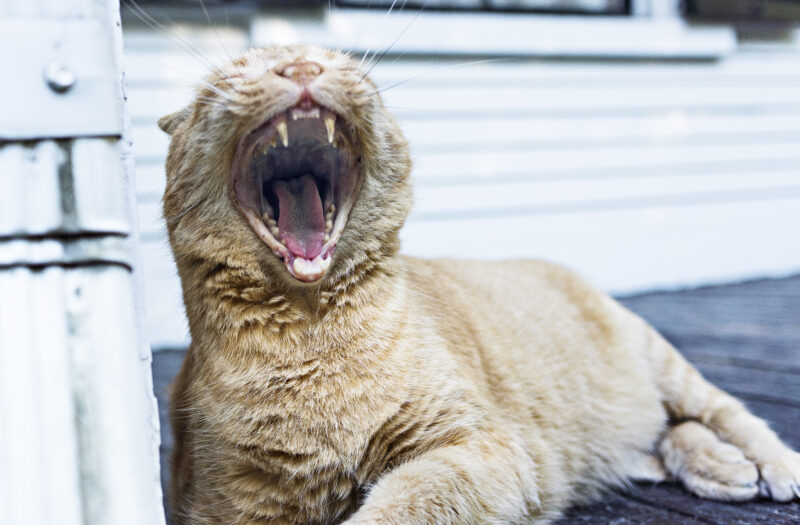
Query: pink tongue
x=300, y=216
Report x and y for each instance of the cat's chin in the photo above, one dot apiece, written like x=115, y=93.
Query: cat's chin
x=296, y=178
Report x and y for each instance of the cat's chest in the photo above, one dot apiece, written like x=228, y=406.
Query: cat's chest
x=304, y=420
x=300, y=445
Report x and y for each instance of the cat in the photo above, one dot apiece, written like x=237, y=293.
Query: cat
x=330, y=379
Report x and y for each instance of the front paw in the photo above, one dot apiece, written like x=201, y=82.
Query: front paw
x=780, y=477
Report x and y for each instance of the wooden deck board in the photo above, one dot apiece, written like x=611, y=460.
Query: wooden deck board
x=675, y=499
x=743, y=337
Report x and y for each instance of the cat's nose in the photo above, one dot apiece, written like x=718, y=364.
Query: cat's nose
x=302, y=72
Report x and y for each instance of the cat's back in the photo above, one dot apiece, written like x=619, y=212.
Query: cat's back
x=519, y=292
x=543, y=331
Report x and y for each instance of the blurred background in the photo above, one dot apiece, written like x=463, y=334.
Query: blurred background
x=648, y=144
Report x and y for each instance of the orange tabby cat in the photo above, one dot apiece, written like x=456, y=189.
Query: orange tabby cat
x=331, y=379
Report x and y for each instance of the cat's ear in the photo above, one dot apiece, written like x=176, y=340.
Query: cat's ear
x=169, y=123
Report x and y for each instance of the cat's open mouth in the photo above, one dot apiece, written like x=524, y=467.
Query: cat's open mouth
x=296, y=178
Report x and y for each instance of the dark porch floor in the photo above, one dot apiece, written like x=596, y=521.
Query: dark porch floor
x=743, y=337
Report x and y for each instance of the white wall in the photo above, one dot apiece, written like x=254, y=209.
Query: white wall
x=638, y=173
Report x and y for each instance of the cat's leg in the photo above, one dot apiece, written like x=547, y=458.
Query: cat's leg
x=649, y=469
x=688, y=396
x=182, y=461
x=478, y=483
x=707, y=466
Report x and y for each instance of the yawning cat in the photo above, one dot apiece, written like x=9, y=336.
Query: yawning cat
x=331, y=379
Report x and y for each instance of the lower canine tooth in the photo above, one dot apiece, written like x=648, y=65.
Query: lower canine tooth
x=331, y=126
x=284, y=133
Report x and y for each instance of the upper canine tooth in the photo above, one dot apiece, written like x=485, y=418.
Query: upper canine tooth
x=331, y=126
x=284, y=133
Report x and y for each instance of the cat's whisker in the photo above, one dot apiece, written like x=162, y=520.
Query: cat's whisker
x=211, y=102
x=154, y=24
x=216, y=90
x=221, y=43
x=157, y=26
x=441, y=70
x=394, y=42
x=391, y=7
x=175, y=217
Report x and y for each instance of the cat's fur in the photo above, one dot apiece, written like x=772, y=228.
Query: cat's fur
x=401, y=390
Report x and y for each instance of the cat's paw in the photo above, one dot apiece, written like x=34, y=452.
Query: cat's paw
x=707, y=466
x=780, y=477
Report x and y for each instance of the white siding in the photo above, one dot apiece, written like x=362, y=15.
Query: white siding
x=638, y=174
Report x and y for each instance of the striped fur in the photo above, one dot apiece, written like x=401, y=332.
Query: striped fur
x=400, y=390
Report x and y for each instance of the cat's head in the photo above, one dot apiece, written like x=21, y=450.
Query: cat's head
x=288, y=162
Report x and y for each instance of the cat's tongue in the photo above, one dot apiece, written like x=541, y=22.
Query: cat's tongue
x=300, y=218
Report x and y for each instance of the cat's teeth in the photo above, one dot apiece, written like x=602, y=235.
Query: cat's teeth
x=331, y=211
x=273, y=141
x=311, y=267
x=300, y=113
x=328, y=225
x=331, y=126
x=326, y=238
x=284, y=133
x=324, y=263
x=274, y=231
x=270, y=221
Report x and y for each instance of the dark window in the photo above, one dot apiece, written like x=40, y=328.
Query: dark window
x=744, y=10
x=598, y=7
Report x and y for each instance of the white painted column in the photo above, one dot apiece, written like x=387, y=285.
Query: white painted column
x=78, y=420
